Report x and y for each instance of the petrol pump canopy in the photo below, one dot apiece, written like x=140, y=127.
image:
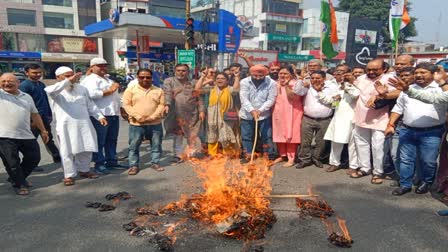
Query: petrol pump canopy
x=167, y=29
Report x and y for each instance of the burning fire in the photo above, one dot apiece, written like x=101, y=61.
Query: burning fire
x=235, y=197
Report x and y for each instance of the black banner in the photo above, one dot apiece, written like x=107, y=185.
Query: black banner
x=362, y=41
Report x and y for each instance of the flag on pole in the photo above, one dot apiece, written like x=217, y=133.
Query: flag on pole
x=398, y=19
x=330, y=31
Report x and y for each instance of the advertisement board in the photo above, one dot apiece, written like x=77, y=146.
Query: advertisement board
x=362, y=41
x=259, y=57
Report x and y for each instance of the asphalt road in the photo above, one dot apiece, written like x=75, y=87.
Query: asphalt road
x=53, y=217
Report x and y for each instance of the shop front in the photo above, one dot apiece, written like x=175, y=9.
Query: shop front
x=52, y=51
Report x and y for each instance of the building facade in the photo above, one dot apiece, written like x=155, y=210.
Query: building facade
x=278, y=23
x=47, y=31
x=121, y=53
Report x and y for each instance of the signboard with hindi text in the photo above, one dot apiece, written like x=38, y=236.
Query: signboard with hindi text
x=187, y=57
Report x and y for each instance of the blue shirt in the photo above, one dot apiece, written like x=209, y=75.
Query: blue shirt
x=260, y=98
x=157, y=79
x=40, y=98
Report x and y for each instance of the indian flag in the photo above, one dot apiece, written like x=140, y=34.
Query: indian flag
x=330, y=31
x=398, y=19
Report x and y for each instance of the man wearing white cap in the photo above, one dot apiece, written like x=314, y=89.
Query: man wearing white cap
x=72, y=109
x=104, y=93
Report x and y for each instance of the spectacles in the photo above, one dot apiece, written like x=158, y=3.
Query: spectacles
x=145, y=77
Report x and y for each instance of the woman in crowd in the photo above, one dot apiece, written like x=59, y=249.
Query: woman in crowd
x=222, y=117
x=287, y=116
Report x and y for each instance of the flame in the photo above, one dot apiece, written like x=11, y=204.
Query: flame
x=231, y=189
x=344, y=229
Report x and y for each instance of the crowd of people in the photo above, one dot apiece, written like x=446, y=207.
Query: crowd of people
x=379, y=121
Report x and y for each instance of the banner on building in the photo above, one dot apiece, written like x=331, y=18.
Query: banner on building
x=362, y=41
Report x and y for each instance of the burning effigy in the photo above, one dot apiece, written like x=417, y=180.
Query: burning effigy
x=234, y=202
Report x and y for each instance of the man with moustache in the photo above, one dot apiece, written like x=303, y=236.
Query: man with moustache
x=16, y=137
x=421, y=134
x=35, y=88
x=186, y=112
x=72, y=108
x=370, y=123
x=274, y=69
x=257, y=94
x=144, y=103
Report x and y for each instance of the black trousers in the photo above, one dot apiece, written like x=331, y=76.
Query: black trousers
x=50, y=146
x=9, y=153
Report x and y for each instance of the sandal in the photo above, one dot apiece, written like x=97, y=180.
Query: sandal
x=69, y=181
x=288, y=164
x=89, y=175
x=376, y=180
x=133, y=171
x=359, y=174
x=157, y=167
x=22, y=191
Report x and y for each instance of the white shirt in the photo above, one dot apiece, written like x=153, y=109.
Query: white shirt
x=72, y=108
x=314, y=107
x=419, y=114
x=15, y=114
x=108, y=105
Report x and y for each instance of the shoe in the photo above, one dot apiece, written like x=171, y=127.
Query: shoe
x=117, y=167
x=177, y=160
x=157, y=167
x=333, y=168
x=401, y=190
x=395, y=184
x=302, y=164
x=244, y=160
x=423, y=188
x=133, y=170
x=56, y=159
x=102, y=170
x=89, y=175
x=318, y=163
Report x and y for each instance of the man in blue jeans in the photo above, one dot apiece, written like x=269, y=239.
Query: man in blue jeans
x=104, y=93
x=144, y=104
x=257, y=94
x=421, y=132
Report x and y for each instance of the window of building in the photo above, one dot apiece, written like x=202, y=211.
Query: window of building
x=58, y=20
x=305, y=25
x=65, y=3
x=21, y=17
x=23, y=1
x=86, y=13
x=280, y=7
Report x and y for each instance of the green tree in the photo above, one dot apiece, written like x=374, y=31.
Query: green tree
x=378, y=10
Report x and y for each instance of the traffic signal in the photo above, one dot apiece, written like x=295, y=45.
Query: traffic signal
x=189, y=34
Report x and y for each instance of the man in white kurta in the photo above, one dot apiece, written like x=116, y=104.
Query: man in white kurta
x=72, y=109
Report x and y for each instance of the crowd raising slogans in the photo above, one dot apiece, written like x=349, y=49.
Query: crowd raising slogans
x=378, y=121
